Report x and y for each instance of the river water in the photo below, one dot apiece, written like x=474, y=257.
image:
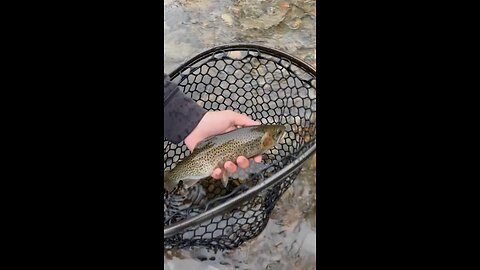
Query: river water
x=192, y=26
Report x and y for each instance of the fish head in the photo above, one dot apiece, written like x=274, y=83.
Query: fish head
x=272, y=135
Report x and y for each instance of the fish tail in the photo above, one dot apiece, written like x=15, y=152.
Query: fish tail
x=168, y=184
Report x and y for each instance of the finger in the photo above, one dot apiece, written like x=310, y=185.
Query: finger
x=230, y=167
x=243, y=162
x=217, y=173
x=243, y=120
x=258, y=159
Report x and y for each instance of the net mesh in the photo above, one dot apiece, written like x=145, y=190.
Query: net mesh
x=270, y=87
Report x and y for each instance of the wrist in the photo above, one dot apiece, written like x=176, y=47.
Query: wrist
x=195, y=136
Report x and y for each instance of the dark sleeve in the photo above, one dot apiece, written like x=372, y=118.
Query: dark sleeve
x=181, y=113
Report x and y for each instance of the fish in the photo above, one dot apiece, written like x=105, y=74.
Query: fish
x=214, y=151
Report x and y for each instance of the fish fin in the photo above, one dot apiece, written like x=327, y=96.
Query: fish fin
x=168, y=185
x=225, y=179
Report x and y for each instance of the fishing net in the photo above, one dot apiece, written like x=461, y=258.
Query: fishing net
x=269, y=86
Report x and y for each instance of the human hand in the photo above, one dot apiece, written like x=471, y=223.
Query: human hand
x=218, y=122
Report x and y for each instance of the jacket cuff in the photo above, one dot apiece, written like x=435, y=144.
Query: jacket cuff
x=181, y=113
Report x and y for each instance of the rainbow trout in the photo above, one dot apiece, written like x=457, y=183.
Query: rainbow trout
x=216, y=150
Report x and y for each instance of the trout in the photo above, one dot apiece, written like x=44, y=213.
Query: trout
x=214, y=151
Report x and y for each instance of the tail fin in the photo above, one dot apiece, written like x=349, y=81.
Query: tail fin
x=168, y=184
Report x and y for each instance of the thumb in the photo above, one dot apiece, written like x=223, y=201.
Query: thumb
x=243, y=120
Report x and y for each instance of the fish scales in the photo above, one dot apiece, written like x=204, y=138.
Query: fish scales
x=215, y=151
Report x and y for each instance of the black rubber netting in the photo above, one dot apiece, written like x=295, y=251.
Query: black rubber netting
x=269, y=86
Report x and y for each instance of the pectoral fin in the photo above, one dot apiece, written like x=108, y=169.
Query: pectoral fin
x=225, y=179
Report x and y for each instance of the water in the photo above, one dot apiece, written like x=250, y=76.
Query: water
x=192, y=26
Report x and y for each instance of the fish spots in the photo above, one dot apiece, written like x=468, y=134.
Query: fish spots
x=215, y=151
